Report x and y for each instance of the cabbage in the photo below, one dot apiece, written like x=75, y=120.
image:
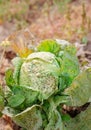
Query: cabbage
x=41, y=83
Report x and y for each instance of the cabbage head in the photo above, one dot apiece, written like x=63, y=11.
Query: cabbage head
x=40, y=72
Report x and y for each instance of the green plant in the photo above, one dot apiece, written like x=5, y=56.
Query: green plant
x=41, y=83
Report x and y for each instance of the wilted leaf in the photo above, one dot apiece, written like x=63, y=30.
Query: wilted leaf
x=21, y=49
x=80, y=90
x=55, y=121
x=81, y=121
x=54, y=116
x=30, y=119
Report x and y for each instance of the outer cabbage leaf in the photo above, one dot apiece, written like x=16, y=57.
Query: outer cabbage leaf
x=16, y=100
x=55, y=121
x=49, y=46
x=69, y=64
x=60, y=99
x=81, y=121
x=30, y=119
x=54, y=116
x=80, y=90
x=17, y=66
x=63, y=43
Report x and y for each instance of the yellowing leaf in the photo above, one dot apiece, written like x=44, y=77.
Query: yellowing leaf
x=21, y=49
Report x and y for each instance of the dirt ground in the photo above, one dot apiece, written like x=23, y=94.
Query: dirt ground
x=48, y=23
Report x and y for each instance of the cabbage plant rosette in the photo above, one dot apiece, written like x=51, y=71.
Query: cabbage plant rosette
x=41, y=83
